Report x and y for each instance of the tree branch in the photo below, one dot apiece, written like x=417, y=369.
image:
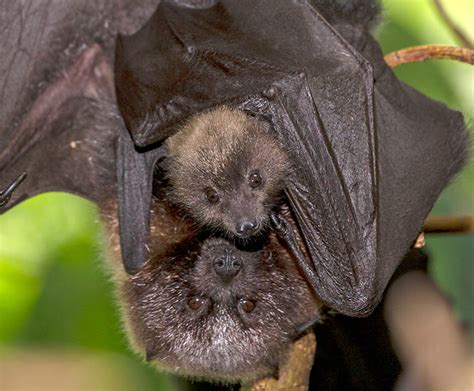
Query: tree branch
x=449, y=224
x=429, y=52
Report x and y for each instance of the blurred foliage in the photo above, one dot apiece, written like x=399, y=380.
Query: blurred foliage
x=55, y=294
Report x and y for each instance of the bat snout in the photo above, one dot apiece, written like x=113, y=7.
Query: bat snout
x=227, y=265
x=246, y=227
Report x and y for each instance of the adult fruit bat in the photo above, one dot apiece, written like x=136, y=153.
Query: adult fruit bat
x=204, y=308
x=361, y=142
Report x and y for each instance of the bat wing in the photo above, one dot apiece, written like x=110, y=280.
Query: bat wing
x=64, y=141
x=370, y=154
x=60, y=123
x=58, y=114
x=363, y=184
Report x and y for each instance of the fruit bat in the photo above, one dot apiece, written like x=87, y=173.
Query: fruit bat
x=371, y=154
x=63, y=130
x=362, y=143
x=208, y=309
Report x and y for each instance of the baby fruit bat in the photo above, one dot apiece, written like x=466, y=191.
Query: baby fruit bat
x=227, y=170
x=354, y=134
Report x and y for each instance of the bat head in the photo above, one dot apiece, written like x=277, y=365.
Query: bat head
x=214, y=311
x=227, y=170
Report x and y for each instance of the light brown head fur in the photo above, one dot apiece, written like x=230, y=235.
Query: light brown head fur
x=227, y=170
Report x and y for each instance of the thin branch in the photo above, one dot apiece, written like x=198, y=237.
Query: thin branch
x=460, y=35
x=449, y=224
x=428, y=52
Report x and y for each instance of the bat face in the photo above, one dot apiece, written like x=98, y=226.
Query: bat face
x=227, y=170
x=210, y=310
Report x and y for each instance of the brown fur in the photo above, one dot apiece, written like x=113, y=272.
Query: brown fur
x=221, y=343
x=220, y=149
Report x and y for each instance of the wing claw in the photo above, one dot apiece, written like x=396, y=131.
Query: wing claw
x=6, y=194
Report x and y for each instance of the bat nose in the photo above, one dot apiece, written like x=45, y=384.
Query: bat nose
x=228, y=265
x=246, y=227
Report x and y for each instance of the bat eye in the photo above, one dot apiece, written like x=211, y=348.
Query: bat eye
x=255, y=180
x=212, y=196
x=247, y=305
x=196, y=302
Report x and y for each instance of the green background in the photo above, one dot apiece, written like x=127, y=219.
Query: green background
x=56, y=299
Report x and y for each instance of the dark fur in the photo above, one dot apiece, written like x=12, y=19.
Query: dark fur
x=220, y=341
x=220, y=149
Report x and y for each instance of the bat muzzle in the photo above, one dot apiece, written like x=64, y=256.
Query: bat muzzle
x=227, y=265
x=246, y=227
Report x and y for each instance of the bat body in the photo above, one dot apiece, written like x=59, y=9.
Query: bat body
x=206, y=309
x=227, y=170
x=357, y=190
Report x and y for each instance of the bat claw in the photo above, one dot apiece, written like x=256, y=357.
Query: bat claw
x=6, y=194
x=277, y=222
